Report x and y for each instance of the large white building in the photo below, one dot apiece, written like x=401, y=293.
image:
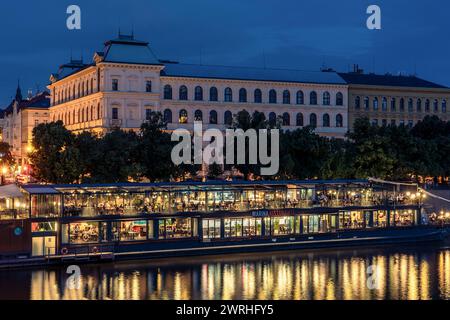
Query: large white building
x=126, y=81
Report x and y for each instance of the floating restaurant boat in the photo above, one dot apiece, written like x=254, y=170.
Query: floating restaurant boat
x=65, y=223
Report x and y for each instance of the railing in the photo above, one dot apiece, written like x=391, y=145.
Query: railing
x=116, y=122
x=240, y=206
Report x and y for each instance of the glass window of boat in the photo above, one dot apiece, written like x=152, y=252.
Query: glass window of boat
x=401, y=218
x=298, y=197
x=211, y=228
x=233, y=228
x=158, y=202
x=242, y=227
x=351, y=219
x=133, y=230
x=14, y=208
x=379, y=219
x=45, y=205
x=175, y=228
x=46, y=226
x=282, y=225
x=80, y=232
x=252, y=227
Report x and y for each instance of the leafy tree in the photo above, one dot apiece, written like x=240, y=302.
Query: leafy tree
x=372, y=157
x=115, y=160
x=154, y=151
x=54, y=160
x=6, y=157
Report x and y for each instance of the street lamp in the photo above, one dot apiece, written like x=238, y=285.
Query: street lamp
x=4, y=172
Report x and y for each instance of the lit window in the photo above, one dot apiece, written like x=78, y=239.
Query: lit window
x=183, y=117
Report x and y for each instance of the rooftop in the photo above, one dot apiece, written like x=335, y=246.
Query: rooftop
x=249, y=73
x=36, y=188
x=39, y=101
x=388, y=80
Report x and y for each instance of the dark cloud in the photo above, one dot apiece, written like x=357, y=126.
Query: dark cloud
x=287, y=34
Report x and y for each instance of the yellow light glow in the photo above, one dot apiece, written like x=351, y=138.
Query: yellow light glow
x=4, y=170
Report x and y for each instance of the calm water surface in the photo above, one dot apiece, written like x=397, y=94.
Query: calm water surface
x=408, y=273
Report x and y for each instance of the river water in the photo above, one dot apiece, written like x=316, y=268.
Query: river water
x=409, y=272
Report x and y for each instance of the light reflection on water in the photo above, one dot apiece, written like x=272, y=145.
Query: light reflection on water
x=409, y=273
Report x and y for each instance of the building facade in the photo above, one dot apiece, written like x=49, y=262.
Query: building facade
x=20, y=118
x=394, y=100
x=126, y=82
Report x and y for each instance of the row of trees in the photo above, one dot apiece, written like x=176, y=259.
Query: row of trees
x=388, y=152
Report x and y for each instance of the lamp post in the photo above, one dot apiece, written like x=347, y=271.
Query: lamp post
x=4, y=172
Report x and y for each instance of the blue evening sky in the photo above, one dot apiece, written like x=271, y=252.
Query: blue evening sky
x=292, y=34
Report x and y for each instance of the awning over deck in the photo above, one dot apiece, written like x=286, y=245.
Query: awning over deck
x=10, y=191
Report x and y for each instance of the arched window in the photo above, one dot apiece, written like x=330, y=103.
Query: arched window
x=393, y=104
x=73, y=117
x=300, y=97
x=228, y=95
x=198, y=115
x=402, y=104
x=326, y=98
x=272, y=118
x=375, y=103
x=299, y=119
x=92, y=85
x=258, y=96
x=326, y=120
x=366, y=103
x=228, y=118
x=167, y=116
x=92, y=113
x=339, y=121
x=286, y=97
x=357, y=103
x=183, y=94
x=410, y=105
x=384, y=104
x=313, y=120
x=98, y=111
x=427, y=105
x=213, y=117
x=419, y=105
x=198, y=93
x=73, y=92
x=213, y=94
x=183, y=117
x=286, y=119
x=272, y=96
x=242, y=95
x=339, y=99
x=444, y=106
x=79, y=89
x=436, y=105
x=313, y=98
x=167, y=92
